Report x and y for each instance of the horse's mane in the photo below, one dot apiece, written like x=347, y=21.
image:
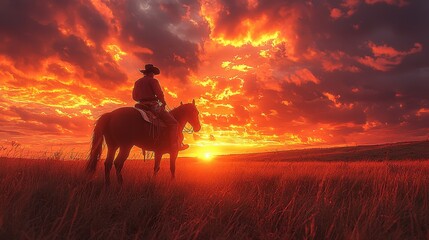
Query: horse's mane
x=180, y=108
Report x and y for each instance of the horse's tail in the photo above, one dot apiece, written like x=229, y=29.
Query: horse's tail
x=97, y=142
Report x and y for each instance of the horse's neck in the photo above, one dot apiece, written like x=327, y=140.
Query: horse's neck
x=179, y=116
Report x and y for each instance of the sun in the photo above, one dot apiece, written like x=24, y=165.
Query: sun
x=206, y=156
x=207, y=153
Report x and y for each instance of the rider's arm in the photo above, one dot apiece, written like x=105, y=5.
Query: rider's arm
x=158, y=91
x=136, y=92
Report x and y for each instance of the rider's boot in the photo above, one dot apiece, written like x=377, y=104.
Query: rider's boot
x=183, y=146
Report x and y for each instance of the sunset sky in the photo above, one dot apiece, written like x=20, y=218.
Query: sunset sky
x=266, y=75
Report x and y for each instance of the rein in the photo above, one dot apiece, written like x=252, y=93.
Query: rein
x=188, y=130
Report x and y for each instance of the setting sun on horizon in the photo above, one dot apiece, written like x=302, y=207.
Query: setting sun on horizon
x=207, y=156
x=265, y=75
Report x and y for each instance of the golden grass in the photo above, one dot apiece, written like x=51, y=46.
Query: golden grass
x=230, y=200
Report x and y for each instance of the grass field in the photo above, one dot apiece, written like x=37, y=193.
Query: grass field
x=41, y=199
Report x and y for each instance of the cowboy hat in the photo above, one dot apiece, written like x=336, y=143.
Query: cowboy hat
x=149, y=68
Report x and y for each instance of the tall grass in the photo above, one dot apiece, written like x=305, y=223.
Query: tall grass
x=42, y=199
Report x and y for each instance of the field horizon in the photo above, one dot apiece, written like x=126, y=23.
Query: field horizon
x=409, y=150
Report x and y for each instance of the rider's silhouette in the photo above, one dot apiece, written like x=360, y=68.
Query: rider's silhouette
x=148, y=92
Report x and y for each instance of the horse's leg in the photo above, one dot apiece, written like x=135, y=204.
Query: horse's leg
x=124, y=151
x=111, y=150
x=158, y=157
x=173, y=157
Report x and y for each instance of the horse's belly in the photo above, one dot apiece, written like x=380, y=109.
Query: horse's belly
x=128, y=128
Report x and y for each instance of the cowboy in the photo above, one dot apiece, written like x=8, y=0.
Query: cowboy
x=148, y=92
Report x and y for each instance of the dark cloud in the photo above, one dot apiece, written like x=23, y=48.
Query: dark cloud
x=96, y=65
x=390, y=97
x=94, y=23
x=25, y=38
x=73, y=49
x=172, y=31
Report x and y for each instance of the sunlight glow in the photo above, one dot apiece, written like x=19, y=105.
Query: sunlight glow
x=116, y=52
x=206, y=156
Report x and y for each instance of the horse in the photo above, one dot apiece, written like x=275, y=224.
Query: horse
x=124, y=128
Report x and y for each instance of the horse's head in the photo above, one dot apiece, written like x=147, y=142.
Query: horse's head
x=189, y=113
x=193, y=113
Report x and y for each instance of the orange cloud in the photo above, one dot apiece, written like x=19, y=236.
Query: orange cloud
x=399, y=3
x=302, y=76
x=336, y=13
x=385, y=57
x=256, y=31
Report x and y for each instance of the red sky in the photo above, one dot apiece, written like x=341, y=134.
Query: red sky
x=266, y=75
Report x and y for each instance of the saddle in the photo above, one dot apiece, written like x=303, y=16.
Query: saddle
x=148, y=115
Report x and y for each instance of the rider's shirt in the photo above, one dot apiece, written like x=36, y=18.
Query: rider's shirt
x=147, y=89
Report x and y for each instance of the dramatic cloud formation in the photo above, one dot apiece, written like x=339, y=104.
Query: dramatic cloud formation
x=266, y=75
